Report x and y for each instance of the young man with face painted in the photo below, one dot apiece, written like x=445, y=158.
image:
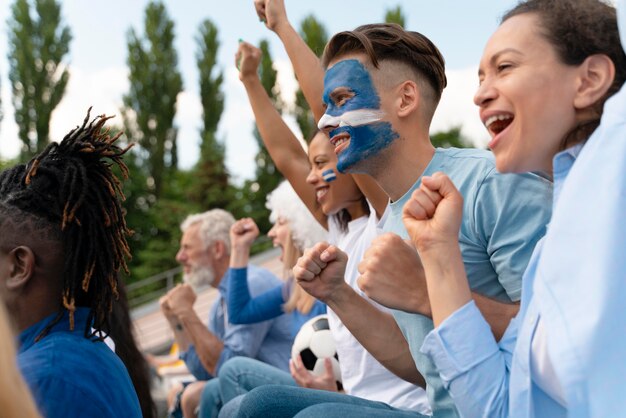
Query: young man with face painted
x=381, y=90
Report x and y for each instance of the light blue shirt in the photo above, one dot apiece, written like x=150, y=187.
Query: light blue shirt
x=575, y=284
x=268, y=341
x=504, y=215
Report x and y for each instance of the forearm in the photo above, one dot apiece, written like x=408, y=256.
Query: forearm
x=207, y=345
x=378, y=332
x=446, y=281
x=180, y=336
x=307, y=67
x=239, y=256
x=497, y=314
x=281, y=143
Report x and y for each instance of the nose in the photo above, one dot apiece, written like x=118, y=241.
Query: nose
x=327, y=123
x=486, y=93
x=180, y=256
x=272, y=232
x=313, y=177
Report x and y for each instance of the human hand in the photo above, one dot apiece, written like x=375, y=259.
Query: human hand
x=392, y=275
x=243, y=233
x=320, y=271
x=306, y=379
x=247, y=60
x=432, y=216
x=164, y=303
x=181, y=299
x=272, y=13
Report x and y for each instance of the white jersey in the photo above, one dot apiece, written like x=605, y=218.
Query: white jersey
x=362, y=374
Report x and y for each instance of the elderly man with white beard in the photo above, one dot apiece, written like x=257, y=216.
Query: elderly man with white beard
x=205, y=255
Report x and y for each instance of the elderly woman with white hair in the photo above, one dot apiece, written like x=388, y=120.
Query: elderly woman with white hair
x=294, y=230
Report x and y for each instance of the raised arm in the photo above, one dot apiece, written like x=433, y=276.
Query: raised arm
x=282, y=145
x=310, y=75
x=242, y=308
x=306, y=65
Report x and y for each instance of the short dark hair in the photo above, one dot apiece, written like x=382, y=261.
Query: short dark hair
x=69, y=193
x=578, y=29
x=390, y=41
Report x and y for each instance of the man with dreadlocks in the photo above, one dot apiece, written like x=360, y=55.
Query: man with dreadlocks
x=62, y=244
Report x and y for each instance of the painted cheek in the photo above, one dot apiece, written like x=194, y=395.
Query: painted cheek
x=365, y=142
x=329, y=175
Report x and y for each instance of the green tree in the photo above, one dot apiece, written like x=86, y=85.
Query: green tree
x=211, y=188
x=155, y=81
x=38, y=42
x=314, y=34
x=451, y=138
x=395, y=15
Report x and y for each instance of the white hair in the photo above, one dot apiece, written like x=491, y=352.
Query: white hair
x=214, y=226
x=286, y=204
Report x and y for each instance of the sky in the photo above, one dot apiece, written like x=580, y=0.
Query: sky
x=99, y=75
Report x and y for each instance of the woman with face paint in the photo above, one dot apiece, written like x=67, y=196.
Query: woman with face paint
x=338, y=202
x=552, y=97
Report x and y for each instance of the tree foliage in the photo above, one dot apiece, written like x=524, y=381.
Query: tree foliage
x=211, y=188
x=314, y=34
x=395, y=15
x=38, y=42
x=155, y=81
x=451, y=138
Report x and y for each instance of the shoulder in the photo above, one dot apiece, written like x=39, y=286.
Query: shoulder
x=65, y=368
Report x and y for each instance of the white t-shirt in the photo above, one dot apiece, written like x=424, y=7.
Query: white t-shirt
x=362, y=374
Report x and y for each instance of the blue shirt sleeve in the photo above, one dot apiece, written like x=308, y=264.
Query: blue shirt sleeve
x=191, y=359
x=242, y=308
x=510, y=217
x=473, y=367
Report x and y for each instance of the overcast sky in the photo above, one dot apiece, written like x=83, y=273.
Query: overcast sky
x=98, y=69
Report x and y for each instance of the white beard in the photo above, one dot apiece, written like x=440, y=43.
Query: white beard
x=199, y=277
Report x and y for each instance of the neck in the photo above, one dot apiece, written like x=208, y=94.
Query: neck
x=220, y=269
x=406, y=162
x=356, y=210
x=31, y=309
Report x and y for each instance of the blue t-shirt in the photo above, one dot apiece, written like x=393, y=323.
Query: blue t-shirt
x=244, y=309
x=504, y=215
x=268, y=341
x=72, y=376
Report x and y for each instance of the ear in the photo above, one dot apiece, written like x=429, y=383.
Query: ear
x=596, y=75
x=219, y=250
x=408, y=98
x=21, y=266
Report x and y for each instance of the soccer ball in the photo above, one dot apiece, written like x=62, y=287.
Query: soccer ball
x=314, y=343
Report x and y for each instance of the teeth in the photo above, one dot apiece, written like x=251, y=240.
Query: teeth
x=320, y=192
x=494, y=118
x=340, y=141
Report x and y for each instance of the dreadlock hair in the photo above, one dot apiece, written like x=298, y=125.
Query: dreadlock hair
x=70, y=193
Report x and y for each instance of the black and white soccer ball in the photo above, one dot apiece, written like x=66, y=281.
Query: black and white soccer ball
x=314, y=343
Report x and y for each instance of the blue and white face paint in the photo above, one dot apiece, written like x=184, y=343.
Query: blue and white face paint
x=329, y=175
x=353, y=113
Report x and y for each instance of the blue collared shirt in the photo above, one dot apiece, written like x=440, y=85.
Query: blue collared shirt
x=268, y=341
x=503, y=218
x=575, y=285
x=73, y=376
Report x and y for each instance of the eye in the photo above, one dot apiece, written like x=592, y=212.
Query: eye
x=503, y=67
